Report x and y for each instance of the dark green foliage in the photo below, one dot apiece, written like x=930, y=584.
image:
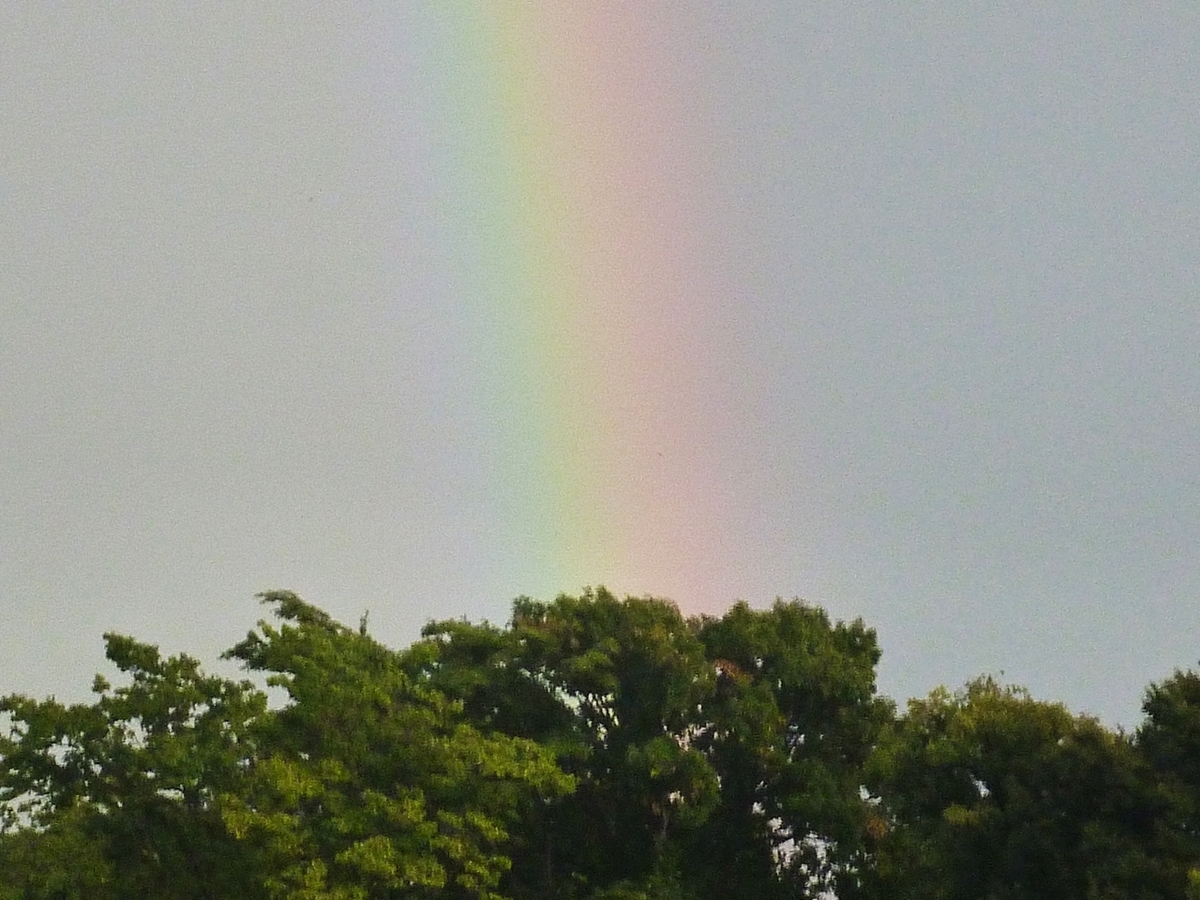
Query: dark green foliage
x=593, y=749
x=129, y=786
x=1170, y=736
x=1169, y=739
x=712, y=755
x=62, y=859
x=788, y=730
x=612, y=687
x=991, y=795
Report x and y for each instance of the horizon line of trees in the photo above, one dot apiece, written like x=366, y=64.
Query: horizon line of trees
x=593, y=748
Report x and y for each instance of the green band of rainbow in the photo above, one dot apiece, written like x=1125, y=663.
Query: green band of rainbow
x=569, y=145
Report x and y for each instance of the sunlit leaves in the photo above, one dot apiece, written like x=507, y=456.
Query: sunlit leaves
x=377, y=777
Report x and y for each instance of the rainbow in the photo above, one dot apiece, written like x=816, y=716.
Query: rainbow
x=586, y=277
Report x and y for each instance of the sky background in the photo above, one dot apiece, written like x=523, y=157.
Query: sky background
x=416, y=307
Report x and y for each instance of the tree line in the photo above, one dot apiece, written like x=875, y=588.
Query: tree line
x=594, y=748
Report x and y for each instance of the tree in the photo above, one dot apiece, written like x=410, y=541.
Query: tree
x=714, y=757
x=182, y=785
x=61, y=859
x=788, y=730
x=593, y=749
x=611, y=687
x=121, y=797
x=991, y=795
x=1169, y=741
x=369, y=784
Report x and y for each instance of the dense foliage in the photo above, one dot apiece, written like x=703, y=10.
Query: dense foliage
x=592, y=749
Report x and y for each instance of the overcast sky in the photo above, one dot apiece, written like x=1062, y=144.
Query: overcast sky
x=960, y=243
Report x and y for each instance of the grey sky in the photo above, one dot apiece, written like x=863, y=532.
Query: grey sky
x=960, y=243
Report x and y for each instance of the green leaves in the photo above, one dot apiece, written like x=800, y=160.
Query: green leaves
x=787, y=728
x=178, y=784
x=611, y=687
x=131, y=782
x=990, y=793
x=370, y=782
x=594, y=748
x=721, y=750
x=1170, y=738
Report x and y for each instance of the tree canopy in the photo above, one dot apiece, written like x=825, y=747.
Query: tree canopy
x=593, y=748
